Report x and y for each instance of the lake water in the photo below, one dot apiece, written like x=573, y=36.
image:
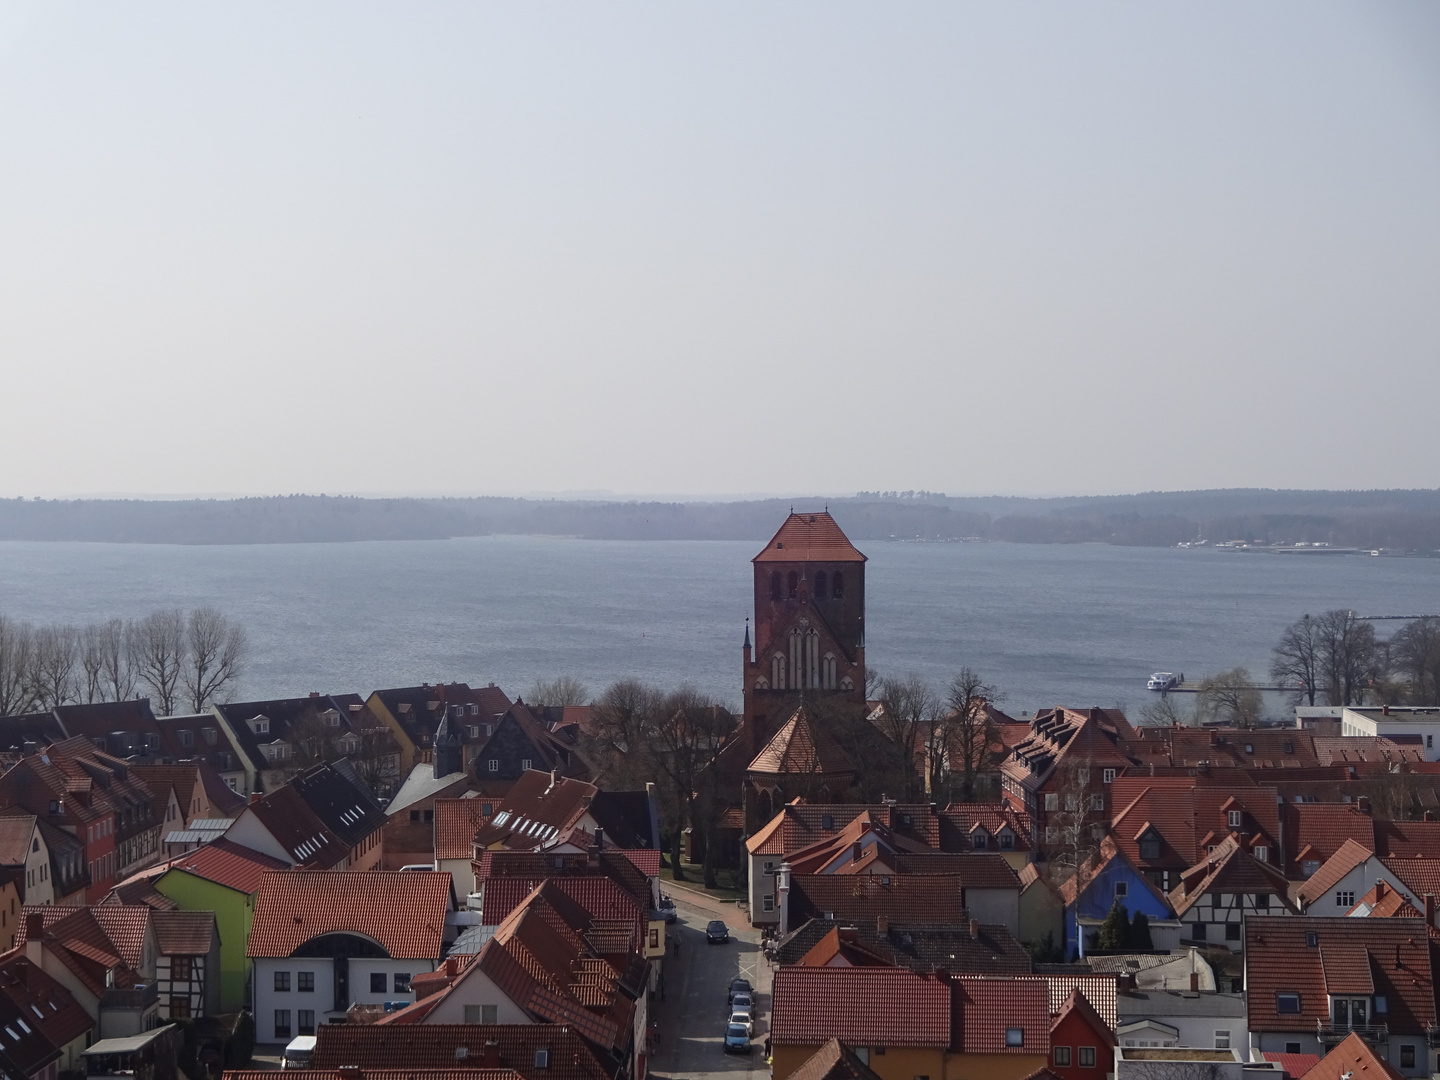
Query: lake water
x=1049, y=624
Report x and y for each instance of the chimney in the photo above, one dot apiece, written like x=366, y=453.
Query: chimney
x=782, y=898
x=1379, y=890
x=1125, y=984
x=599, y=839
x=490, y=1055
x=254, y=796
x=34, y=928
x=350, y=1072
x=857, y=850
x=1194, y=980
x=1384, y=710
x=1363, y=802
x=1429, y=815
x=974, y=930
x=882, y=925
x=1429, y=909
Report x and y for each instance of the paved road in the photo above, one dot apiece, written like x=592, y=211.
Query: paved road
x=692, y=1018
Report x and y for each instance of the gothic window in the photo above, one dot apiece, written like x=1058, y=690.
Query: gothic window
x=762, y=683
x=812, y=659
x=820, y=585
x=794, y=584
x=837, y=586
x=827, y=672
x=775, y=585
x=777, y=671
x=846, y=683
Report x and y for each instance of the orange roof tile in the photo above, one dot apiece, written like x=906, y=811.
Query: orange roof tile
x=809, y=538
x=456, y=822
x=861, y=1006
x=1346, y=858
x=1352, y=1058
x=990, y=1007
x=294, y=906
x=228, y=863
x=799, y=747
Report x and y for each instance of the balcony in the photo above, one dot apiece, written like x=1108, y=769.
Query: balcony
x=1374, y=1034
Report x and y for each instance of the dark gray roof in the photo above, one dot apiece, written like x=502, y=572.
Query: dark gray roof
x=1143, y=1004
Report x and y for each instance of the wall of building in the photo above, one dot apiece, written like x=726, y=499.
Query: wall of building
x=478, y=990
x=1000, y=906
x=1041, y=912
x=1199, y=1031
x=1075, y=1033
x=233, y=914
x=993, y=1066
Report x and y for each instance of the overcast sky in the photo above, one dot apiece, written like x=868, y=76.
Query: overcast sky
x=686, y=248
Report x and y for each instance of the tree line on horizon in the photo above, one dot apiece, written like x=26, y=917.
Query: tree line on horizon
x=181, y=658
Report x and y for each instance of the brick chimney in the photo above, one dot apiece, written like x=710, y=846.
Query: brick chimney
x=1194, y=980
x=1363, y=802
x=974, y=930
x=1379, y=890
x=490, y=1055
x=1429, y=815
x=857, y=851
x=1429, y=909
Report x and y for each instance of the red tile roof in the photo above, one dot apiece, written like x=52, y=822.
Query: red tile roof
x=1231, y=869
x=809, y=538
x=294, y=906
x=184, y=933
x=1316, y=831
x=43, y=1001
x=456, y=822
x=918, y=898
x=350, y=1073
x=800, y=747
x=1295, y=1065
x=1384, y=901
x=798, y=825
x=962, y=823
x=125, y=925
x=1407, y=839
x=228, y=863
x=860, y=1006
x=1420, y=876
x=1392, y=954
x=646, y=860
x=434, y=1046
x=988, y=1007
x=537, y=807
x=833, y=1062
x=1352, y=1058
x=1346, y=858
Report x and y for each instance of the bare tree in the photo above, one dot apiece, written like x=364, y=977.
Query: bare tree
x=1231, y=698
x=117, y=669
x=1349, y=656
x=560, y=691
x=968, y=731
x=1298, y=657
x=215, y=652
x=17, y=688
x=1079, y=830
x=1415, y=651
x=909, y=711
x=621, y=722
x=1165, y=711
x=92, y=662
x=54, y=664
x=683, y=747
x=157, y=650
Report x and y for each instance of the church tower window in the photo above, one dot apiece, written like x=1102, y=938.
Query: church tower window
x=794, y=584
x=827, y=671
x=837, y=586
x=775, y=585
x=820, y=585
x=777, y=671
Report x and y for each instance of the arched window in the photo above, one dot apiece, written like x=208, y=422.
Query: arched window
x=765, y=808
x=777, y=671
x=846, y=683
x=762, y=683
x=794, y=584
x=837, y=586
x=827, y=671
x=820, y=585
x=775, y=585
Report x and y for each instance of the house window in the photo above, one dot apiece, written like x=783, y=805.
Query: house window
x=1062, y=1056
x=1097, y=802
x=827, y=822
x=472, y=1014
x=493, y=765
x=180, y=1007
x=282, y=982
x=979, y=841
x=282, y=1025
x=769, y=903
x=1312, y=939
x=1262, y=853
x=1345, y=899
x=525, y=764
x=1407, y=1055
x=1197, y=932
x=306, y=1020
x=1382, y=1005
x=1222, y=1039
x=1287, y=1005
x=306, y=984
x=187, y=737
x=1014, y=1036
x=402, y=982
x=180, y=969
x=1007, y=841
x=1150, y=846
x=1232, y=931
x=415, y=816
x=1122, y=889
x=542, y=1058
x=1052, y=834
x=1234, y=819
x=1052, y=800
x=1087, y=1057
x=792, y=584
x=1292, y=1048
x=1108, y=775
x=377, y=982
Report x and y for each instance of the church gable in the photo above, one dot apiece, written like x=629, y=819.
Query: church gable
x=801, y=655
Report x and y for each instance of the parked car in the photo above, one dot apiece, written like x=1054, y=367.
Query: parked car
x=737, y=1039
x=739, y=986
x=745, y=1020
x=716, y=931
x=667, y=909
x=298, y=1053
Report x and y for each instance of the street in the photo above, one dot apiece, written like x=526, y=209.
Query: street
x=693, y=1016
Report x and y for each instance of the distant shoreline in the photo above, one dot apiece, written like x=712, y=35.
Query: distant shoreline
x=1394, y=522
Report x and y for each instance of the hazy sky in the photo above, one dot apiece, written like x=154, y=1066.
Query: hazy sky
x=1015, y=248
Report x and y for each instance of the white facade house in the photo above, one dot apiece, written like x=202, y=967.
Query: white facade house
x=1169, y=1018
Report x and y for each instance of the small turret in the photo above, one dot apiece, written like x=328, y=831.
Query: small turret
x=448, y=751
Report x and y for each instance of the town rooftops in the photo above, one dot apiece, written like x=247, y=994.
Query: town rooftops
x=443, y=1046
x=1138, y=1004
x=809, y=538
x=456, y=822
x=54, y=1018
x=1346, y=858
x=1229, y=869
x=295, y=906
x=1352, y=1059
x=914, y=898
x=538, y=806
x=833, y=1061
x=860, y=1006
x=799, y=747
x=227, y=863
x=992, y=1009
x=983, y=949
x=1293, y=963
x=798, y=825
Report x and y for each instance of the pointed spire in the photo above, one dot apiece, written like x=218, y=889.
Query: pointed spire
x=747, y=631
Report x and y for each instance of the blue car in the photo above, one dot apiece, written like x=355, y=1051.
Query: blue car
x=737, y=1039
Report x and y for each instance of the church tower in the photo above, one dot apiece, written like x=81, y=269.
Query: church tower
x=809, y=622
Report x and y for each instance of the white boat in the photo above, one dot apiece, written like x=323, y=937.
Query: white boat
x=1162, y=681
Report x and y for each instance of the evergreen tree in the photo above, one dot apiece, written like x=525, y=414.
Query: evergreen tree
x=1115, y=930
x=1140, y=933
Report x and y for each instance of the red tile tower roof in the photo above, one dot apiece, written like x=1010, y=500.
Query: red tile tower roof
x=809, y=538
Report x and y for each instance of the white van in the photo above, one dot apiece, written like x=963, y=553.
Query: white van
x=299, y=1052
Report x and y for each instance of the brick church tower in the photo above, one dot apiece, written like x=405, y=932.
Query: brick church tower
x=809, y=622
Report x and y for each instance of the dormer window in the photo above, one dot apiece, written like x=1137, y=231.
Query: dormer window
x=1007, y=840
x=260, y=725
x=980, y=840
x=1150, y=845
x=1287, y=1004
x=1234, y=819
x=1309, y=866
x=827, y=822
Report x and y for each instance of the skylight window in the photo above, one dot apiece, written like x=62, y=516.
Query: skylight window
x=23, y=1026
x=11, y=1032
x=36, y=1010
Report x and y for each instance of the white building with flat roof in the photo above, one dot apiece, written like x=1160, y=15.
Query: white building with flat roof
x=1396, y=722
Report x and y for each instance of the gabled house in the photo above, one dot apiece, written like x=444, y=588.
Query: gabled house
x=24, y=852
x=1314, y=832
x=1352, y=1059
x=987, y=827
x=1214, y=897
x=909, y=898
x=56, y=1029
x=1108, y=877
x=1042, y=910
x=537, y=808
x=1082, y=1045
x=105, y=956
x=199, y=792
x=413, y=714
x=800, y=760
x=1312, y=982
x=315, y=950
x=278, y=739
x=1334, y=887
x=187, y=970
x=835, y=1061
x=519, y=744
x=323, y=819
x=976, y=948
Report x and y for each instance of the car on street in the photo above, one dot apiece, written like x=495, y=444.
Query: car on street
x=667, y=909
x=745, y=1020
x=737, y=1039
x=739, y=986
x=716, y=931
